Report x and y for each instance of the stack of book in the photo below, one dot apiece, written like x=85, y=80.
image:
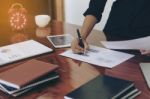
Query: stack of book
x=24, y=77
x=105, y=87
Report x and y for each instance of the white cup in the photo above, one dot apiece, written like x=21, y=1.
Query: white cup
x=42, y=20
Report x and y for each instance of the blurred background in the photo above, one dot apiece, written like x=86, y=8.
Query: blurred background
x=70, y=11
x=34, y=7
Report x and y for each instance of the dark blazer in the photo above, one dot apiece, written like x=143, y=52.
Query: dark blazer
x=128, y=19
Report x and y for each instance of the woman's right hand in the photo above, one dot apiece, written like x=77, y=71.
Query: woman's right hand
x=76, y=48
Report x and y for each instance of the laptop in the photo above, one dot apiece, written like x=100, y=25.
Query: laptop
x=145, y=68
x=21, y=50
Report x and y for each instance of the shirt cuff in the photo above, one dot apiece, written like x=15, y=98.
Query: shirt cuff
x=94, y=13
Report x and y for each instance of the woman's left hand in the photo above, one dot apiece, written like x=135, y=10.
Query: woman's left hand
x=145, y=52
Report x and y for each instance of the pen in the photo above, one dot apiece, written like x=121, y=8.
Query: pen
x=81, y=44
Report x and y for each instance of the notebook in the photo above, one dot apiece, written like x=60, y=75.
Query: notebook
x=145, y=68
x=13, y=91
x=22, y=50
x=25, y=73
x=101, y=87
x=131, y=93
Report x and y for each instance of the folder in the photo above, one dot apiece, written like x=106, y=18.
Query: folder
x=25, y=73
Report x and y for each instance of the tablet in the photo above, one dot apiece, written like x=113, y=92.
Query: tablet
x=60, y=41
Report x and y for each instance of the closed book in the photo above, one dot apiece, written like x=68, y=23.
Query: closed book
x=130, y=92
x=101, y=87
x=25, y=73
x=134, y=95
x=13, y=91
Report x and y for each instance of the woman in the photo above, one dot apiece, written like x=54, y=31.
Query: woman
x=128, y=19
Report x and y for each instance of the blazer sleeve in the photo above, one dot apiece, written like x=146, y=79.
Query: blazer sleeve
x=96, y=8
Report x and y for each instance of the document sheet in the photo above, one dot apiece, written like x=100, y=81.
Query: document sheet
x=99, y=56
x=135, y=44
x=14, y=52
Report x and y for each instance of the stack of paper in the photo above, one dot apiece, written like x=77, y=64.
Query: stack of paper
x=135, y=44
x=24, y=77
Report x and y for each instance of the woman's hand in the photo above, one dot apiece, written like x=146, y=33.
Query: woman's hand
x=145, y=52
x=76, y=48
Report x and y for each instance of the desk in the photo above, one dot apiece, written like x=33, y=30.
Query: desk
x=72, y=73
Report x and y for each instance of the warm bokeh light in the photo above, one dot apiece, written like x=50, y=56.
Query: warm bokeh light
x=18, y=21
x=17, y=16
x=34, y=7
x=43, y=32
x=19, y=37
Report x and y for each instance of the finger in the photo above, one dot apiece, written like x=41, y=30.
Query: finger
x=79, y=48
x=145, y=52
x=73, y=45
x=77, y=51
x=86, y=47
x=141, y=50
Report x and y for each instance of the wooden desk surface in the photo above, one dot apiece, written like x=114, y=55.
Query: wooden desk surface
x=72, y=73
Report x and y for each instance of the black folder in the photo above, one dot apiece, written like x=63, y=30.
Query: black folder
x=101, y=87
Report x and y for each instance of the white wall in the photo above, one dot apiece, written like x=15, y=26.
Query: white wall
x=74, y=10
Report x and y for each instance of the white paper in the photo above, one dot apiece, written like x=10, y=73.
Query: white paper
x=100, y=56
x=135, y=44
x=21, y=50
x=65, y=97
